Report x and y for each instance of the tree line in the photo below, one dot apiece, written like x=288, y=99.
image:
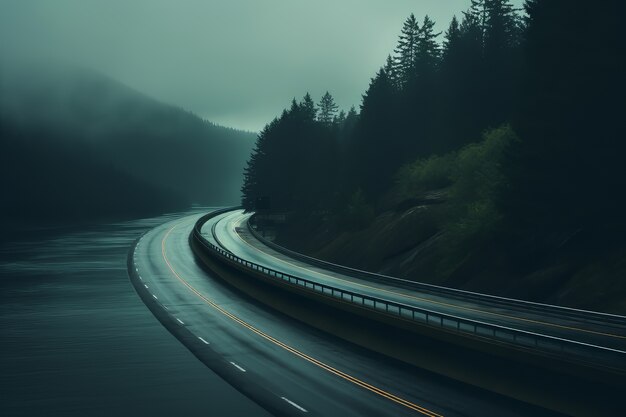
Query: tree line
x=553, y=71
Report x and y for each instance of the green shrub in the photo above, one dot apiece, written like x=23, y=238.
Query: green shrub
x=477, y=179
x=425, y=174
x=474, y=178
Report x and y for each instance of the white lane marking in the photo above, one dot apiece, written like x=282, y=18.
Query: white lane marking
x=238, y=367
x=180, y=321
x=145, y=285
x=140, y=278
x=204, y=341
x=294, y=404
x=165, y=307
x=155, y=297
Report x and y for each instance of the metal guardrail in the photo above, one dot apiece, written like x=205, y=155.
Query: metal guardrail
x=579, y=352
x=554, y=310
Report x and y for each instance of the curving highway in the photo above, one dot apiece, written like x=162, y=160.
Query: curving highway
x=285, y=366
x=230, y=231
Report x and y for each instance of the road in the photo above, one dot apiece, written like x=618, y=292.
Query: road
x=285, y=366
x=232, y=233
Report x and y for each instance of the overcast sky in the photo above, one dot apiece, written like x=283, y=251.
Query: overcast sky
x=234, y=62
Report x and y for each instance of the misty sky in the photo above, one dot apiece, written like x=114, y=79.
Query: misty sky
x=234, y=62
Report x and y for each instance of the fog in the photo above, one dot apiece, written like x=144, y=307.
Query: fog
x=234, y=62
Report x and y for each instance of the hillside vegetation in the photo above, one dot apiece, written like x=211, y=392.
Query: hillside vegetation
x=491, y=160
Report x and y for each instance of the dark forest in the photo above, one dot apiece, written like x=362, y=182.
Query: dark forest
x=503, y=132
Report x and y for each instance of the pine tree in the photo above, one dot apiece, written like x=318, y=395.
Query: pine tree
x=406, y=51
x=378, y=96
x=452, y=40
x=391, y=68
x=352, y=114
x=473, y=28
x=348, y=125
x=476, y=18
x=309, y=111
x=375, y=144
x=327, y=109
x=501, y=28
x=427, y=51
x=253, y=177
x=340, y=118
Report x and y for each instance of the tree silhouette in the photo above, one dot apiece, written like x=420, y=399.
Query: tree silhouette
x=327, y=109
x=391, y=69
x=308, y=107
x=427, y=51
x=452, y=41
x=406, y=51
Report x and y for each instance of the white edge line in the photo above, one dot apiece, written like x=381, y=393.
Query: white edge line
x=237, y=366
x=294, y=404
x=203, y=341
x=180, y=321
x=155, y=297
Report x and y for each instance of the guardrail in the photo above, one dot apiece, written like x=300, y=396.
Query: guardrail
x=554, y=310
x=569, y=350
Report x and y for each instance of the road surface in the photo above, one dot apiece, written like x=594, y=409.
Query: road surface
x=232, y=233
x=285, y=366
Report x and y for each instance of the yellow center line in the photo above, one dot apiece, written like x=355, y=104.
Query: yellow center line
x=442, y=303
x=290, y=349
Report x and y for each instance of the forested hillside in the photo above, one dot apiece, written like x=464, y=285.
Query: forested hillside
x=487, y=157
x=78, y=146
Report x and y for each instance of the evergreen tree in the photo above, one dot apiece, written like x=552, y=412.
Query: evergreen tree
x=475, y=18
x=375, y=144
x=309, y=110
x=391, y=69
x=460, y=85
x=500, y=28
x=406, y=51
x=352, y=114
x=501, y=59
x=327, y=109
x=340, y=118
x=427, y=51
x=452, y=40
x=255, y=182
x=472, y=30
x=352, y=117
x=417, y=117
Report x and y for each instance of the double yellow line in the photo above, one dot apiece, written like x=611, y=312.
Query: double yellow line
x=290, y=349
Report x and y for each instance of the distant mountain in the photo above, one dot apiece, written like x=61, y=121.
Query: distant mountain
x=77, y=145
